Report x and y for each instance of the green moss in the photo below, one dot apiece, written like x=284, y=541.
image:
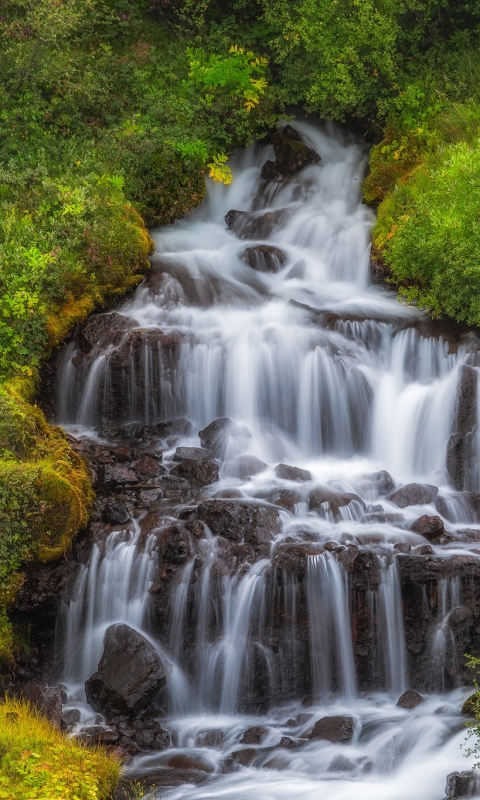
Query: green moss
x=45, y=493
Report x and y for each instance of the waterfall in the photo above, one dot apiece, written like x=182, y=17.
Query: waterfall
x=293, y=587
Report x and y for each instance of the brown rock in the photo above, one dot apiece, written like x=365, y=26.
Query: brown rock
x=264, y=258
x=410, y=699
x=413, y=494
x=338, y=730
x=430, y=527
x=197, y=472
x=254, y=735
x=288, y=473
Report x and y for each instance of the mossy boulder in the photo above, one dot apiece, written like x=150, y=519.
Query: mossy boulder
x=45, y=494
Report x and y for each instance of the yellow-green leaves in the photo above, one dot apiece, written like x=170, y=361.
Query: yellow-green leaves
x=219, y=169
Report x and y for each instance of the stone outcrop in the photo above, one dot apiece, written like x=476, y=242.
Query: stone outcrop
x=413, y=494
x=130, y=673
x=338, y=730
x=291, y=155
x=459, y=455
x=265, y=258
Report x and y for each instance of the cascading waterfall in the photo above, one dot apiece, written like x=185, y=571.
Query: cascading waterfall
x=319, y=369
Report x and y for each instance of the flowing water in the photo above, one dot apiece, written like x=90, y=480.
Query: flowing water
x=322, y=370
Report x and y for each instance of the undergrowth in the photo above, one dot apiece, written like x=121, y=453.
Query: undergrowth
x=38, y=762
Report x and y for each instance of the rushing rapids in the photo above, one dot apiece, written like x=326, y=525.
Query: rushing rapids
x=275, y=595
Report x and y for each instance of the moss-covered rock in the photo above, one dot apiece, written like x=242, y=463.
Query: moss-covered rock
x=45, y=493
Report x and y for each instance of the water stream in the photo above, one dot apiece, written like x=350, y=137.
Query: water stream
x=321, y=370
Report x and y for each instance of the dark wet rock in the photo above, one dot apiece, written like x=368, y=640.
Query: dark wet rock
x=382, y=481
x=413, y=494
x=469, y=500
x=291, y=559
x=116, y=513
x=47, y=699
x=174, y=546
x=470, y=704
x=103, y=329
x=186, y=762
x=333, y=500
x=191, y=454
x=210, y=738
x=286, y=498
x=286, y=741
x=431, y=527
x=291, y=155
x=265, y=258
x=97, y=734
x=243, y=467
x=161, y=430
x=117, y=475
x=149, y=735
x=70, y=716
x=402, y=547
x=424, y=550
x=460, y=784
x=129, y=674
x=198, y=472
x=338, y=730
x=287, y=473
x=410, y=699
x=248, y=225
x=254, y=735
x=218, y=435
x=460, y=446
x=240, y=758
x=240, y=521
x=148, y=467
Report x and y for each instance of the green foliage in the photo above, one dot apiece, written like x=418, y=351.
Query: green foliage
x=433, y=245
x=360, y=57
x=38, y=762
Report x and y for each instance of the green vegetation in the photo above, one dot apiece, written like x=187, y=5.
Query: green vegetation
x=111, y=113
x=37, y=762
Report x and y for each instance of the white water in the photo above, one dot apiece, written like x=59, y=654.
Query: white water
x=341, y=396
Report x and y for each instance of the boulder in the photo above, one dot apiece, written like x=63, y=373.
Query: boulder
x=117, y=475
x=116, y=513
x=286, y=498
x=338, y=730
x=287, y=473
x=248, y=225
x=382, y=481
x=240, y=758
x=243, y=467
x=460, y=784
x=265, y=258
x=70, y=716
x=103, y=329
x=190, y=454
x=291, y=155
x=149, y=735
x=460, y=451
x=430, y=527
x=413, y=494
x=333, y=499
x=47, y=699
x=240, y=521
x=129, y=674
x=223, y=435
x=148, y=467
x=470, y=704
x=410, y=699
x=254, y=735
x=286, y=741
x=198, y=472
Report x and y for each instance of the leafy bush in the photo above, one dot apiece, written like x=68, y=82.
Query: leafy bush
x=38, y=762
x=428, y=231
